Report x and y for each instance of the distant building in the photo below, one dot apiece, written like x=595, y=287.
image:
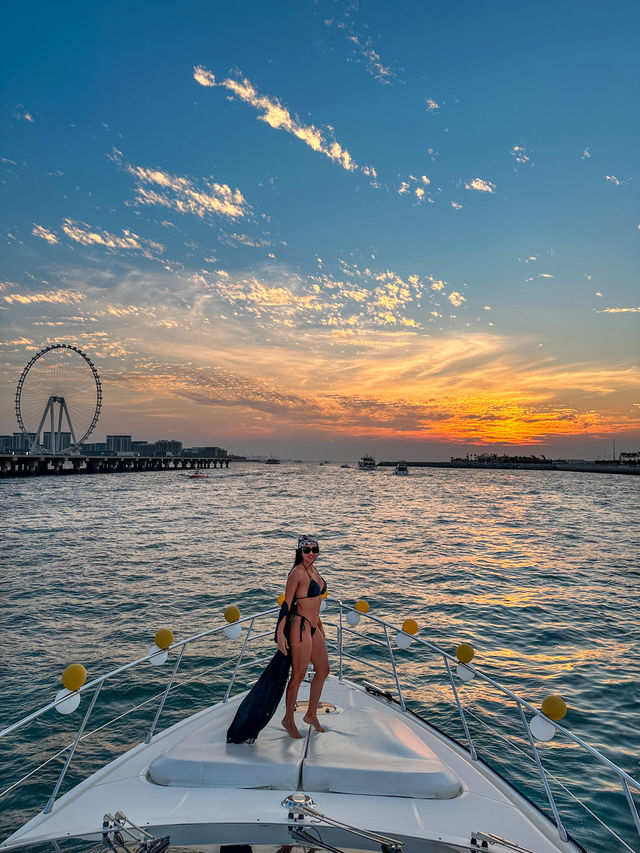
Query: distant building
x=63, y=440
x=210, y=452
x=21, y=443
x=5, y=443
x=167, y=447
x=119, y=443
x=142, y=448
x=94, y=448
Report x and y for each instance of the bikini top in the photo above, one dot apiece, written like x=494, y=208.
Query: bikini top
x=314, y=590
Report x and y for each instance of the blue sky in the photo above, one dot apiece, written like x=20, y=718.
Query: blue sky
x=329, y=227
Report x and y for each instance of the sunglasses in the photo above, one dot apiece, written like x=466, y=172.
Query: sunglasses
x=309, y=550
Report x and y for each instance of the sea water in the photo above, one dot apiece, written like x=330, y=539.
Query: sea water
x=538, y=570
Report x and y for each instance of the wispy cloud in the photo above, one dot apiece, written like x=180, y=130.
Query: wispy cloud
x=480, y=185
x=520, y=155
x=82, y=233
x=373, y=64
x=432, y=105
x=157, y=187
x=618, y=310
x=279, y=117
x=24, y=115
x=364, y=51
x=60, y=297
x=245, y=240
x=44, y=234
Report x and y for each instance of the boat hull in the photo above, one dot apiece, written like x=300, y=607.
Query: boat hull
x=376, y=767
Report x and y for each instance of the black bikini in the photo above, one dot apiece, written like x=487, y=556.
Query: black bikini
x=287, y=613
x=313, y=592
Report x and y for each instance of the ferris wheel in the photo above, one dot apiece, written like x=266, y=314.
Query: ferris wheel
x=59, y=389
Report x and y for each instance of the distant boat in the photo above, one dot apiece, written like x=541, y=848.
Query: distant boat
x=198, y=475
x=367, y=463
x=402, y=469
x=272, y=461
x=345, y=466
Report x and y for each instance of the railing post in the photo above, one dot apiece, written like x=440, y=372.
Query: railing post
x=235, y=671
x=395, y=671
x=472, y=748
x=164, y=696
x=74, y=745
x=561, y=830
x=632, y=805
x=340, y=645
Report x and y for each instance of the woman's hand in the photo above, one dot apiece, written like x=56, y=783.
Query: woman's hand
x=283, y=646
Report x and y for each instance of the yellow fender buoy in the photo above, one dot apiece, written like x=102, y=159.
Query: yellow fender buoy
x=362, y=606
x=465, y=653
x=554, y=707
x=281, y=599
x=410, y=626
x=164, y=638
x=232, y=613
x=74, y=676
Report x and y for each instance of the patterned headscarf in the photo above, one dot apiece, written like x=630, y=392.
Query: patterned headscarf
x=307, y=540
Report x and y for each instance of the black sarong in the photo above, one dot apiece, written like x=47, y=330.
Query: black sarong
x=260, y=703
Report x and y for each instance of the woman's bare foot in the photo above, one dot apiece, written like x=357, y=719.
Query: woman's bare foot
x=313, y=721
x=291, y=728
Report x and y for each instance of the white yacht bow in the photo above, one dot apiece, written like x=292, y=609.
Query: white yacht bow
x=379, y=778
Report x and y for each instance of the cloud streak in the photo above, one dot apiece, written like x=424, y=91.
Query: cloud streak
x=157, y=187
x=44, y=234
x=279, y=117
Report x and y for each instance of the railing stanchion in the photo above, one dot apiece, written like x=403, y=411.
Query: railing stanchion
x=74, y=745
x=395, y=671
x=632, y=805
x=164, y=696
x=472, y=748
x=235, y=671
x=561, y=830
x=340, y=646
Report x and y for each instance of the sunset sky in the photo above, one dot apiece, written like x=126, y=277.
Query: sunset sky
x=319, y=229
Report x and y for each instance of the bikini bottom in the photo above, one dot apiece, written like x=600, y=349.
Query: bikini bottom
x=304, y=619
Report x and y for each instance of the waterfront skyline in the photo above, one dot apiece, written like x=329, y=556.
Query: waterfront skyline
x=329, y=228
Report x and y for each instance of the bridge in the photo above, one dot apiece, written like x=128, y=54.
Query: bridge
x=37, y=465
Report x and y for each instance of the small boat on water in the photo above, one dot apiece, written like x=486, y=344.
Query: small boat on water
x=367, y=463
x=345, y=465
x=381, y=777
x=198, y=475
x=272, y=460
x=402, y=469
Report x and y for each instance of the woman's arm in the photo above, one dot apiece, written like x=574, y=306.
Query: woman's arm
x=289, y=594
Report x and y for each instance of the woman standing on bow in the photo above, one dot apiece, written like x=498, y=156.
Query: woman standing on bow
x=300, y=632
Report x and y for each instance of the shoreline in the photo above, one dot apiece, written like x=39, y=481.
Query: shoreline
x=583, y=467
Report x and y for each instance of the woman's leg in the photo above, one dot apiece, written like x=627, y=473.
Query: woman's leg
x=300, y=645
x=320, y=661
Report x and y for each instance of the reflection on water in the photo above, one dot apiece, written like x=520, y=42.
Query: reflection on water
x=538, y=570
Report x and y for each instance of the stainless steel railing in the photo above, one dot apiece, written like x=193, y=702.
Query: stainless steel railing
x=627, y=782
x=343, y=633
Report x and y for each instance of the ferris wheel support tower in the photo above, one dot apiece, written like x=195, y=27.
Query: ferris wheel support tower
x=55, y=445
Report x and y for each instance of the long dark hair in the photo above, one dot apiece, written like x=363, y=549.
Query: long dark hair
x=298, y=558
